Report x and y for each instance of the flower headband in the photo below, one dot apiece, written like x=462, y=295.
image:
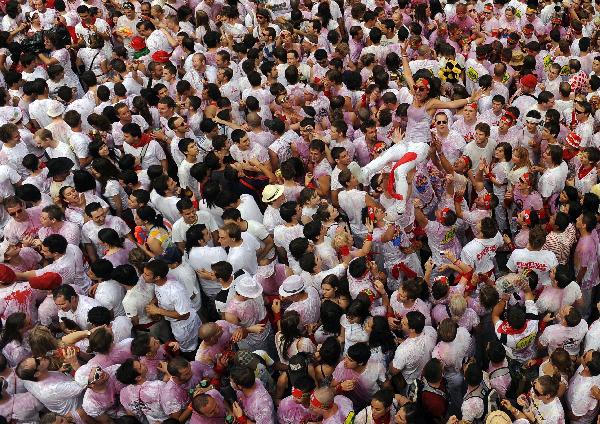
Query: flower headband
x=299, y=394
x=444, y=214
x=526, y=178
x=441, y=279
x=423, y=83
x=369, y=294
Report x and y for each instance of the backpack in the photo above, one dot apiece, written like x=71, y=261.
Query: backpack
x=490, y=400
x=420, y=386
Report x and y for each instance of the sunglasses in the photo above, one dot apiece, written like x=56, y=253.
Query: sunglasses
x=15, y=213
x=421, y=88
x=441, y=122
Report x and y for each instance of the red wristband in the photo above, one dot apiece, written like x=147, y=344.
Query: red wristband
x=242, y=420
x=277, y=316
x=369, y=237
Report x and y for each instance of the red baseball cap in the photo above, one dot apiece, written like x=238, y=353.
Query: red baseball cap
x=529, y=81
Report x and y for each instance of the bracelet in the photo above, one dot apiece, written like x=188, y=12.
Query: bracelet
x=369, y=237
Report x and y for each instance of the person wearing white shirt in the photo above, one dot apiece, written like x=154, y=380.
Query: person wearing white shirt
x=554, y=176
x=58, y=392
x=243, y=248
x=190, y=216
x=202, y=257
x=145, y=150
x=73, y=306
x=173, y=304
x=567, y=334
x=414, y=352
x=156, y=39
x=108, y=292
x=254, y=228
x=582, y=398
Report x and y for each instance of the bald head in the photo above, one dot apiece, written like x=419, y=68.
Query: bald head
x=324, y=395
x=423, y=51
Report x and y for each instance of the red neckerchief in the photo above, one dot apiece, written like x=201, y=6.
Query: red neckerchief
x=383, y=420
x=144, y=139
x=87, y=26
x=408, y=156
x=582, y=172
x=505, y=328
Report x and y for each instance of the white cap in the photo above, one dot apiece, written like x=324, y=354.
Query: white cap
x=55, y=109
x=292, y=285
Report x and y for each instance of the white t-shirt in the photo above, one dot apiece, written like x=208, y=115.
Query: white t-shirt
x=249, y=209
x=353, y=202
x=202, y=258
x=541, y=261
x=520, y=346
x=569, y=338
x=80, y=314
x=244, y=255
x=480, y=253
x=79, y=143
x=153, y=154
x=110, y=294
x=579, y=399
x=180, y=226
x=135, y=301
x=413, y=353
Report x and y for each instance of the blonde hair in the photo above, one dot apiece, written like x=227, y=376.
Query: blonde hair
x=458, y=306
x=137, y=257
x=342, y=239
x=523, y=152
x=42, y=342
x=43, y=134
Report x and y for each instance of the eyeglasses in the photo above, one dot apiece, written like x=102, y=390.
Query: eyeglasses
x=15, y=213
x=441, y=122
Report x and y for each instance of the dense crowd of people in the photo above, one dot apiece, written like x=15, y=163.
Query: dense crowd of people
x=294, y=212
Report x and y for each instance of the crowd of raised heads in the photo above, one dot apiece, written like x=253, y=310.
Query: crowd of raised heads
x=299, y=212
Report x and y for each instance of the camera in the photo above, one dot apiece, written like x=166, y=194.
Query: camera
x=34, y=44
